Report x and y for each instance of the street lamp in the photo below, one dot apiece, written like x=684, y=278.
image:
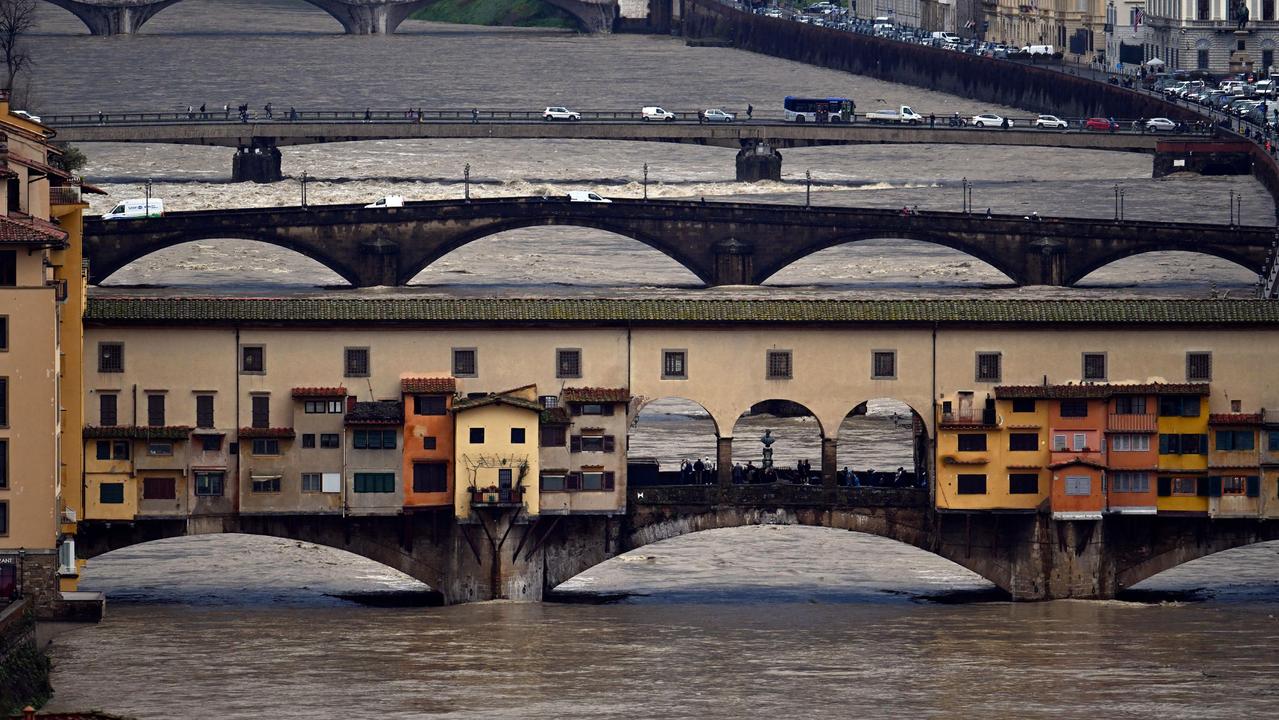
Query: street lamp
x=1232, y=208
x=967, y=188
x=808, y=188
x=1119, y=201
x=148, y=192
x=645, y=181
x=466, y=180
x=303, y=180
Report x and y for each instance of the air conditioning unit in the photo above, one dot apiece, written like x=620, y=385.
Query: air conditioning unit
x=66, y=558
x=68, y=515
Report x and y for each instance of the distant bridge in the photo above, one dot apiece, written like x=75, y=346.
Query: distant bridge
x=258, y=157
x=721, y=243
x=358, y=17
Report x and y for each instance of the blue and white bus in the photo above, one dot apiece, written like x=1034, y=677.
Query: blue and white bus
x=834, y=109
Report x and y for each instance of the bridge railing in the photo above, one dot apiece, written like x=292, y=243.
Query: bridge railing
x=779, y=495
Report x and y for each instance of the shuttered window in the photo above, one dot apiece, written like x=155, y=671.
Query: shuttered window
x=4, y=463
x=971, y=484
x=155, y=410
x=1023, y=484
x=261, y=411
x=374, y=482
x=108, y=415
x=1022, y=442
x=1078, y=485
x=972, y=442
x=430, y=477
x=553, y=436
x=429, y=405
x=159, y=488
x=204, y=411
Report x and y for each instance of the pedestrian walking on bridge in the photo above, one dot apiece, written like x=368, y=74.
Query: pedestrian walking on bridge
x=750, y=110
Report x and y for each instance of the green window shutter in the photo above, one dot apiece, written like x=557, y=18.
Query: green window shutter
x=1164, y=486
x=1163, y=447
x=1254, y=486
x=1225, y=440
x=1203, y=444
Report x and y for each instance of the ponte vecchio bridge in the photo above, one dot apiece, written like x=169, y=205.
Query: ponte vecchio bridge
x=720, y=243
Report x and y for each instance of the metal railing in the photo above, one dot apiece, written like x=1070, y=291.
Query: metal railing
x=64, y=195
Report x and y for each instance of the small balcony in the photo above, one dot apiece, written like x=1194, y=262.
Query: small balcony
x=64, y=195
x=496, y=498
x=985, y=418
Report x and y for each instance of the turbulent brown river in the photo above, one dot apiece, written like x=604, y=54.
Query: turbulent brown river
x=753, y=622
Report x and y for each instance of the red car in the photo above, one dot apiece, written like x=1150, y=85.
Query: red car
x=1099, y=124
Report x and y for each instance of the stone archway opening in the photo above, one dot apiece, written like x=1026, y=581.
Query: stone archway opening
x=1173, y=272
x=1241, y=573
x=883, y=442
x=795, y=441
x=225, y=264
x=889, y=264
x=667, y=438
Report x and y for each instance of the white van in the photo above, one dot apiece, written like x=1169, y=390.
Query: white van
x=1038, y=49
x=389, y=201
x=585, y=196
x=882, y=25
x=947, y=38
x=139, y=208
x=653, y=112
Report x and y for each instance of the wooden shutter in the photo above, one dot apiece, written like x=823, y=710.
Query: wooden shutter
x=575, y=444
x=609, y=479
x=1254, y=486
x=573, y=481
x=1203, y=487
x=609, y=443
x=1163, y=447
x=575, y=408
x=606, y=409
x=1164, y=487
x=1203, y=444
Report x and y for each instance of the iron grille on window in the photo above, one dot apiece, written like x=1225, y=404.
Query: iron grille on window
x=464, y=362
x=568, y=363
x=253, y=359
x=674, y=364
x=1198, y=366
x=357, y=362
x=779, y=365
x=1094, y=366
x=884, y=364
x=988, y=367
x=111, y=357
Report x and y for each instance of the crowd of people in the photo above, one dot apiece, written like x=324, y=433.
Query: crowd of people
x=702, y=471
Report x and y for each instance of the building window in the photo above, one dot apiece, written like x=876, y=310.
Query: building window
x=376, y=439
x=568, y=363
x=1235, y=440
x=4, y=333
x=430, y=478
x=1023, y=484
x=1179, y=406
x=108, y=414
x=553, y=482
x=210, y=443
x=1094, y=366
x=375, y=482
x=1185, y=486
x=253, y=359
x=308, y=440
x=778, y=365
x=1201, y=61
x=674, y=365
x=477, y=436
x=111, y=493
x=555, y=436
x=312, y=482
x=971, y=484
x=1059, y=442
x=1078, y=485
x=155, y=410
x=110, y=357
x=1023, y=405
x=988, y=367
x=4, y=518
x=1074, y=408
x=159, y=448
x=261, y=413
x=1183, y=444
x=883, y=365
x=204, y=411
x=113, y=450
x=320, y=407
x=972, y=442
x=549, y=401
x=428, y=442
x=1129, y=405
x=1023, y=442
x=592, y=408
x=9, y=258
x=464, y=362
x=159, y=488
x=4, y=463
x=1272, y=441
x=1129, y=482
x=209, y=484
x=1198, y=366
x=266, y=446
x=355, y=362
x=266, y=484
x=517, y=436
x=1079, y=441
x=592, y=481
x=1233, y=485
x=1125, y=442
x=330, y=441
x=1268, y=56
x=429, y=405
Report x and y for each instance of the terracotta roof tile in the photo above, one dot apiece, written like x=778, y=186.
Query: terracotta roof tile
x=283, y=433
x=319, y=392
x=595, y=395
x=556, y=416
x=138, y=432
x=1077, y=461
x=513, y=401
x=428, y=385
x=1234, y=419
x=377, y=412
x=1098, y=391
x=31, y=231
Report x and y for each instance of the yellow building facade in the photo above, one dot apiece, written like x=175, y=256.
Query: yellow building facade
x=496, y=452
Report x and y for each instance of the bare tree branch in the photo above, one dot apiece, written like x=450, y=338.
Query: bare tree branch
x=16, y=19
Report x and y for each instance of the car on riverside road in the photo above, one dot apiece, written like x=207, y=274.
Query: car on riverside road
x=1099, y=125
x=560, y=113
x=989, y=120
x=1051, y=121
x=586, y=196
x=1160, y=124
x=717, y=115
x=656, y=113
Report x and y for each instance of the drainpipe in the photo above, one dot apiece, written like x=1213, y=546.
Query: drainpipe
x=235, y=360
x=932, y=438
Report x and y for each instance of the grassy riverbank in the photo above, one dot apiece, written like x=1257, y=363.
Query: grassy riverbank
x=521, y=13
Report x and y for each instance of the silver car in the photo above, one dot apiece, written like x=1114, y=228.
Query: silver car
x=717, y=115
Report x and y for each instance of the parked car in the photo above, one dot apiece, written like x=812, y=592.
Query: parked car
x=560, y=113
x=136, y=208
x=1160, y=124
x=1050, y=121
x=1099, y=124
x=656, y=113
x=717, y=115
x=586, y=196
x=988, y=120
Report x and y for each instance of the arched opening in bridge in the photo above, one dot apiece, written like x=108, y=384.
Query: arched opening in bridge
x=225, y=265
x=1242, y=574
x=777, y=564
x=883, y=441
x=667, y=439
x=777, y=440
x=885, y=264
x=1174, y=272
x=553, y=258
x=236, y=569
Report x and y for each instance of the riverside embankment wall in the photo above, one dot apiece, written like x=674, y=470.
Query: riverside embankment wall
x=24, y=669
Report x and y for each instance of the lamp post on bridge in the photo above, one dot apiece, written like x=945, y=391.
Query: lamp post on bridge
x=1119, y=202
x=645, y=181
x=466, y=181
x=1232, y=208
x=967, y=188
x=148, y=196
x=808, y=188
x=303, y=181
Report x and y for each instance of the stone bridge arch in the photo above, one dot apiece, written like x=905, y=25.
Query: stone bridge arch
x=1177, y=541
x=1076, y=268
